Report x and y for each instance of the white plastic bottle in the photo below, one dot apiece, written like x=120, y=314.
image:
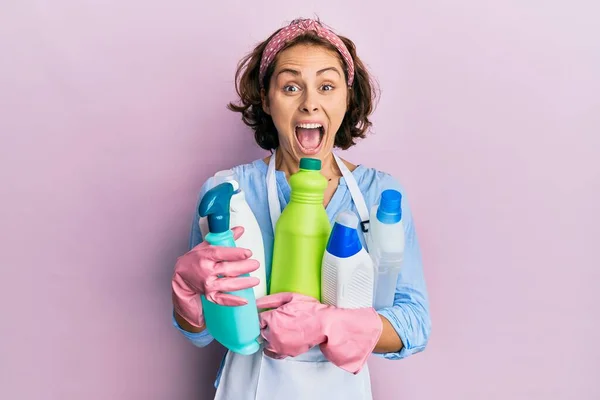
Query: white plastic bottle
x=241, y=215
x=386, y=246
x=347, y=274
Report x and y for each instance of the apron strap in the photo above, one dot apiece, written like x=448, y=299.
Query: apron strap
x=357, y=197
x=272, y=196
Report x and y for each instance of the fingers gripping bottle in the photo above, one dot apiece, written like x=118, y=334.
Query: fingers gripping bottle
x=301, y=234
x=235, y=327
x=240, y=214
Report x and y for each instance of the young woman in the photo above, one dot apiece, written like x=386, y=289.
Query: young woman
x=303, y=91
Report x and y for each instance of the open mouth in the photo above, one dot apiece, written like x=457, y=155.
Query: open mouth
x=310, y=137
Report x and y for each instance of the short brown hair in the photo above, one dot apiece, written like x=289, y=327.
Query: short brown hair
x=362, y=94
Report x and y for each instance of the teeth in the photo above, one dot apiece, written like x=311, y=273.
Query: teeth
x=309, y=126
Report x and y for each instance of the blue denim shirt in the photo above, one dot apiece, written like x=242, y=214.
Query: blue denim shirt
x=410, y=313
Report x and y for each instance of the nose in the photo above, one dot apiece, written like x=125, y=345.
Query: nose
x=309, y=101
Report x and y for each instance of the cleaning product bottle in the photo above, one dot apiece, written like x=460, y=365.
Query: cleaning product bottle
x=301, y=234
x=386, y=246
x=235, y=327
x=347, y=275
x=241, y=215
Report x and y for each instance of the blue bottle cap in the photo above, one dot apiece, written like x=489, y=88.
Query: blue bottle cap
x=344, y=241
x=390, y=210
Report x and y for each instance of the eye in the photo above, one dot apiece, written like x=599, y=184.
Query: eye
x=327, y=87
x=290, y=88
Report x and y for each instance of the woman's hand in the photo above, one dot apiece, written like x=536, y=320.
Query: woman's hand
x=291, y=328
x=297, y=322
x=197, y=273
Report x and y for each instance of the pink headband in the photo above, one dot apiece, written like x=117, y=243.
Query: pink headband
x=292, y=31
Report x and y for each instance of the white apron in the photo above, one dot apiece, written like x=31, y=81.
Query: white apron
x=309, y=376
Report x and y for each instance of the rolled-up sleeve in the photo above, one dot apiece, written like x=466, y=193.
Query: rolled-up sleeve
x=203, y=338
x=410, y=313
x=200, y=339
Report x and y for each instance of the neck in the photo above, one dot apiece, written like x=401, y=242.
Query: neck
x=287, y=164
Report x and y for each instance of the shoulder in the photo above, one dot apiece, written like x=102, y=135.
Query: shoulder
x=248, y=175
x=251, y=174
x=372, y=181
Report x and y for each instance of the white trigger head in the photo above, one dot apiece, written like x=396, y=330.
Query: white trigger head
x=227, y=175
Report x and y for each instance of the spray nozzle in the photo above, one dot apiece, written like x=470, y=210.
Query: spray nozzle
x=215, y=204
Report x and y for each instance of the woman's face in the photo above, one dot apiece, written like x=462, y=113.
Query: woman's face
x=307, y=100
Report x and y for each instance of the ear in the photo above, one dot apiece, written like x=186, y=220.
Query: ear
x=265, y=102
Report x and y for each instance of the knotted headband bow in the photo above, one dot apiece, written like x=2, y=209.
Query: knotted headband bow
x=292, y=31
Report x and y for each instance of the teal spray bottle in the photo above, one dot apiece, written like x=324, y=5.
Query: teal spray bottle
x=235, y=327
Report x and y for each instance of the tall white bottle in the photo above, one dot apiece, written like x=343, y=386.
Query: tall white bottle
x=241, y=215
x=347, y=274
x=386, y=246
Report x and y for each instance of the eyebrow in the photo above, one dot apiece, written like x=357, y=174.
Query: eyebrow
x=297, y=73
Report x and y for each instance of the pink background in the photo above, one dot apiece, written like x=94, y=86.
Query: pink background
x=113, y=113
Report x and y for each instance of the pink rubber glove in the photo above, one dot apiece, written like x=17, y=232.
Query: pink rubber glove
x=346, y=336
x=196, y=273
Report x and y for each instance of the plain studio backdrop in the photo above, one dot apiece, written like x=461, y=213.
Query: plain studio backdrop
x=112, y=114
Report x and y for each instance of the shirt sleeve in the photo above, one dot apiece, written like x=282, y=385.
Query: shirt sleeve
x=409, y=314
x=203, y=338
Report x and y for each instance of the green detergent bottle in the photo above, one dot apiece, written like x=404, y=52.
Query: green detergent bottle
x=301, y=234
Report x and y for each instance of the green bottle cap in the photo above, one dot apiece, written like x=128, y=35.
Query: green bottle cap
x=312, y=164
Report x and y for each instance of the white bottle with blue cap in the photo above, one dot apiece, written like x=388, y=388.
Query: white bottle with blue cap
x=241, y=215
x=347, y=274
x=386, y=246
